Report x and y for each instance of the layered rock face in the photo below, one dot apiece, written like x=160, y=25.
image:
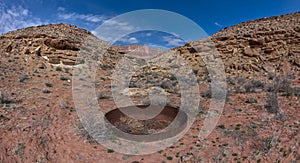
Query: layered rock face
x=267, y=44
x=138, y=50
x=57, y=43
x=263, y=45
x=259, y=123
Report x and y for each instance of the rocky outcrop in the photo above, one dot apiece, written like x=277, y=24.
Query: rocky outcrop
x=58, y=43
x=253, y=45
x=138, y=50
x=260, y=46
x=61, y=44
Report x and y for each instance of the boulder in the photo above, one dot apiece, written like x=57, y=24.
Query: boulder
x=250, y=52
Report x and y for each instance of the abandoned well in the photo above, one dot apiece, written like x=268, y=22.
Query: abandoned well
x=169, y=118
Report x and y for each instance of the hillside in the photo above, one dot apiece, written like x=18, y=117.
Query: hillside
x=259, y=122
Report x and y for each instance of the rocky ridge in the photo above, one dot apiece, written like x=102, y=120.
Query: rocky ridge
x=263, y=45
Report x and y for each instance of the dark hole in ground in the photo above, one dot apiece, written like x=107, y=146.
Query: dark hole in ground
x=145, y=127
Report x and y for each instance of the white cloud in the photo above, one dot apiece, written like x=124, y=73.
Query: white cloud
x=25, y=12
x=61, y=9
x=217, y=24
x=17, y=11
x=155, y=46
x=113, y=30
x=173, y=41
x=17, y=17
x=175, y=34
x=75, y=16
x=122, y=26
x=133, y=40
x=129, y=40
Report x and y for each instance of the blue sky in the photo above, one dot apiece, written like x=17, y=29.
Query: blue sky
x=212, y=15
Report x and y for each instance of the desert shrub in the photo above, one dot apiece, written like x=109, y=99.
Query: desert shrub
x=48, y=85
x=85, y=135
x=195, y=71
x=234, y=154
x=58, y=68
x=283, y=85
x=231, y=81
x=102, y=95
x=46, y=91
x=166, y=85
x=23, y=78
x=272, y=105
x=110, y=151
x=249, y=88
x=106, y=67
x=67, y=70
x=254, y=84
x=257, y=84
x=240, y=80
x=206, y=94
x=268, y=144
x=295, y=91
x=64, y=78
x=251, y=100
x=4, y=98
x=222, y=126
x=63, y=104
